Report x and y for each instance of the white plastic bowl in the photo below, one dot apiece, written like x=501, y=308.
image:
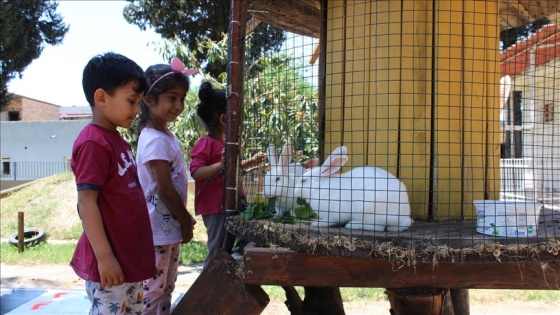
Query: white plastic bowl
x=507, y=218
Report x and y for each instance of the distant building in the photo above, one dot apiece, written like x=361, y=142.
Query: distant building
x=75, y=112
x=23, y=108
x=37, y=138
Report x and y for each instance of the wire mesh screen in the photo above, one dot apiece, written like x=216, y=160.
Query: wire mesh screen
x=411, y=129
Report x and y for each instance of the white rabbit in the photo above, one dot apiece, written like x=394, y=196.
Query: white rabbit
x=367, y=198
x=280, y=180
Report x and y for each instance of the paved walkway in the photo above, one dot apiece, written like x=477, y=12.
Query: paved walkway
x=47, y=301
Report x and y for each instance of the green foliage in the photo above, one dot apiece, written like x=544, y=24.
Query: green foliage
x=43, y=253
x=276, y=293
x=302, y=213
x=61, y=253
x=193, y=252
x=25, y=26
x=192, y=21
x=187, y=127
x=258, y=211
x=280, y=105
x=303, y=210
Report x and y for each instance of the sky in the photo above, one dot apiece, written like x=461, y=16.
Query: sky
x=95, y=27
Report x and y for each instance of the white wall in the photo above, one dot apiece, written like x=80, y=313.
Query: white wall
x=39, y=141
x=542, y=142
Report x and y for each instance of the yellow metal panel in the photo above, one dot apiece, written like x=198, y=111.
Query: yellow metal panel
x=357, y=77
x=335, y=66
x=448, y=105
x=476, y=104
x=416, y=70
x=492, y=33
x=385, y=67
x=412, y=87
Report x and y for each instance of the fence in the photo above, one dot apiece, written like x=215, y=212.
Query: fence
x=32, y=170
x=516, y=178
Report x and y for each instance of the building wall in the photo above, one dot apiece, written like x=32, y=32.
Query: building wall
x=14, y=105
x=31, y=110
x=38, y=141
x=541, y=140
x=35, y=111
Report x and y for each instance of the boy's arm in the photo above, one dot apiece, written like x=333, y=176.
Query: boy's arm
x=110, y=271
x=171, y=198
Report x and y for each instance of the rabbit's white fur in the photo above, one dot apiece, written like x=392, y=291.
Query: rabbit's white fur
x=279, y=182
x=367, y=198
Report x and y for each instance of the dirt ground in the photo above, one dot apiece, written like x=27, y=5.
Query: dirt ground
x=62, y=277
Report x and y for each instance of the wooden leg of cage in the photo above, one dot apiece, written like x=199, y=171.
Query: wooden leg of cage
x=220, y=290
x=460, y=298
x=322, y=301
x=425, y=301
x=317, y=301
x=293, y=300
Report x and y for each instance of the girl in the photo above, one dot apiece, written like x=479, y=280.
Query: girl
x=206, y=168
x=163, y=177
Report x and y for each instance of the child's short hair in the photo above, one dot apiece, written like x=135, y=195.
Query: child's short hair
x=108, y=72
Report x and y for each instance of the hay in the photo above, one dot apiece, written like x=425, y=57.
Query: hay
x=400, y=251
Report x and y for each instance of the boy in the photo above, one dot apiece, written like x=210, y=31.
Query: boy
x=116, y=248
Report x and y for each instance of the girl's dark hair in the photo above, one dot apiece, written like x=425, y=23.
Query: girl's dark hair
x=171, y=80
x=212, y=104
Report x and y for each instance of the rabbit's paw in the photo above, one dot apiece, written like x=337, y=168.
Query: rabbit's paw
x=361, y=226
x=320, y=223
x=404, y=223
x=395, y=228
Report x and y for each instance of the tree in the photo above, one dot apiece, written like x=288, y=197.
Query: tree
x=513, y=35
x=280, y=104
x=193, y=20
x=25, y=28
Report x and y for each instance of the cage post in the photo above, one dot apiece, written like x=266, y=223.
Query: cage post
x=234, y=113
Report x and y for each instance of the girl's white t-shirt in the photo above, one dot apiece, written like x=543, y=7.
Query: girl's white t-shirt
x=156, y=145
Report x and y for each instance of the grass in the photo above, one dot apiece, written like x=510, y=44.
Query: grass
x=50, y=203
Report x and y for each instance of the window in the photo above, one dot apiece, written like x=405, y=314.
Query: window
x=548, y=112
x=6, y=167
x=13, y=115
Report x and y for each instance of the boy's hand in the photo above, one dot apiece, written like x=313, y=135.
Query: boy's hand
x=110, y=273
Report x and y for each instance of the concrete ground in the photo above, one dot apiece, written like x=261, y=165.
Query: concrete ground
x=55, y=289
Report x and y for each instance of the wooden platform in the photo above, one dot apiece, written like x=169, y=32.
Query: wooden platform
x=281, y=266
x=425, y=242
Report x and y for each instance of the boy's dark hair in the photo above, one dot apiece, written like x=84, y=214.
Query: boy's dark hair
x=165, y=84
x=212, y=104
x=108, y=72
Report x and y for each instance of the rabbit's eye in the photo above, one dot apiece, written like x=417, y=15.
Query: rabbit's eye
x=277, y=178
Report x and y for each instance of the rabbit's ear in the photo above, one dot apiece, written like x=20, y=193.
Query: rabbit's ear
x=335, y=161
x=336, y=152
x=286, y=154
x=333, y=164
x=271, y=154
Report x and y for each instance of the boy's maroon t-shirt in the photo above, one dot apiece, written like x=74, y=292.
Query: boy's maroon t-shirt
x=103, y=161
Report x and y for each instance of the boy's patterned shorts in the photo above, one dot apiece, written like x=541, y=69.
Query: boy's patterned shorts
x=123, y=299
